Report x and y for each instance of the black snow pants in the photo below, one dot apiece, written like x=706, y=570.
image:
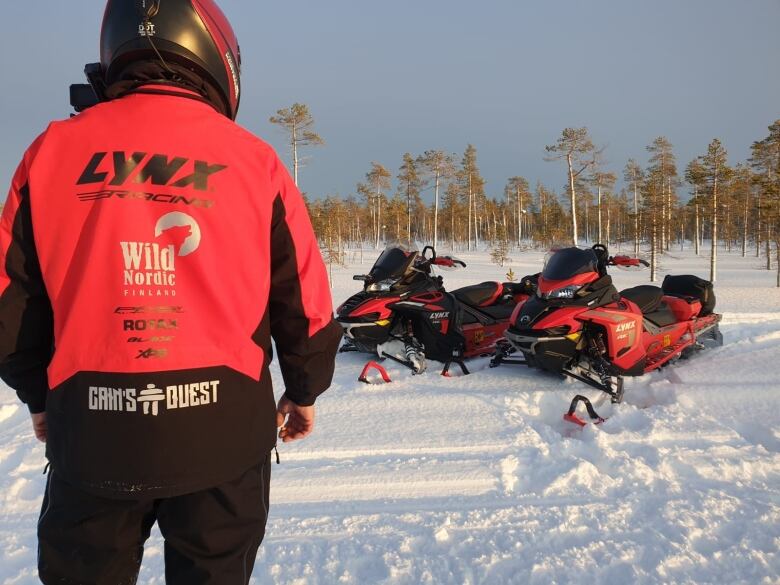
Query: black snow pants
x=211, y=536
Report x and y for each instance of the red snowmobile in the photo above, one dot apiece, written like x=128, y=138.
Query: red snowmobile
x=578, y=324
x=404, y=313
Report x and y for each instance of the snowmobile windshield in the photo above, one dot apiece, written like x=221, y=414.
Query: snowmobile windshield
x=570, y=262
x=392, y=264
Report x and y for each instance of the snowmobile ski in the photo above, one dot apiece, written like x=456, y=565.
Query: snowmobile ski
x=571, y=415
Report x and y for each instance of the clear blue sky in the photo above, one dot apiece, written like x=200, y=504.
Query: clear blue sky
x=383, y=78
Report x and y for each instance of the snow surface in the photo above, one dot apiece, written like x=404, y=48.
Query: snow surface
x=477, y=479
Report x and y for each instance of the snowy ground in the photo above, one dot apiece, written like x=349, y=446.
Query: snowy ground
x=478, y=480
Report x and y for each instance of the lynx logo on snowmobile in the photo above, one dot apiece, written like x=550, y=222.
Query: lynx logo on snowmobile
x=439, y=316
x=625, y=326
x=150, y=400
x=159, y=168
x=150, y=267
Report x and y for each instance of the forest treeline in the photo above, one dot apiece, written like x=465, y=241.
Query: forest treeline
x=440, y=198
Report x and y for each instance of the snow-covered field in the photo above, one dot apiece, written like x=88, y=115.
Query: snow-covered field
x=478, y=480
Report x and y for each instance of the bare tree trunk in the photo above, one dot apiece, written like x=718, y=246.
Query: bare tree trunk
x=599, y=214
x=573, y=201
x=436, y=213
x=745, y=223
x=654, y=246
x=768, y=247
x=477, y=222
x=409, y=213
x=519, y=216
x=727, y=228
x=295, y=153
x=452, y=226
x=360, y=239
x=663, y=215
x=587, y=221
x=470, y=213
x=378, y=220
x=682, y=235
x=669, y=215
x=758, y=225
x=697, y=227
x=714, y=254
x=777, y=260
x=636, y=221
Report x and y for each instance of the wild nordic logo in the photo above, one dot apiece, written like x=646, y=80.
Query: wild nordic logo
x=150, y=267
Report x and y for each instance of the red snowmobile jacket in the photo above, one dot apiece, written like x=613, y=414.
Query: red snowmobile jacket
x=150, y=248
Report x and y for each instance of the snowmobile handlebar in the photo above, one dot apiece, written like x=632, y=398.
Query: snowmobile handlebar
x=627, y=261
x=447, y=262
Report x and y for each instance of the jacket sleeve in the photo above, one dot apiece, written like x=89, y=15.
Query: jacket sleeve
x=300, y=306
x=26, y=321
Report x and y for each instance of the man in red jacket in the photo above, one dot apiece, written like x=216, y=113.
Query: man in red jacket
x=150, y=249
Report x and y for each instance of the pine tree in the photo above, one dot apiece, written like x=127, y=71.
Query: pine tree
x=694, y=175
x=652, y=202
x=331, y=242
x=604, y=182
x=576, y=147
x=742, y=195
x=633, y=175
x=765, y=160
x=409, y=186
x=499, y=253
x=377, y=182
x=438, y=166
x=517, y=189
x=663, y=167
x=472, y=187
x=452, y=209
x=715, y=172
x=299, y=123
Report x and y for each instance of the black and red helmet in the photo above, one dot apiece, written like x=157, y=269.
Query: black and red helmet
x=189, y=34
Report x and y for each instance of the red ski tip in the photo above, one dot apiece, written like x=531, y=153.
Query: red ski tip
x=372, y=365
x=573, y=418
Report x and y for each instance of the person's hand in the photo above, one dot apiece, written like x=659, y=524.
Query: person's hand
x=299, y=423
x=39, y=426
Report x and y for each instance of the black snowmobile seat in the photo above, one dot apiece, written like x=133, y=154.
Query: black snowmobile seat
x=646, y=297
x=663, y=316
x=479, y=295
